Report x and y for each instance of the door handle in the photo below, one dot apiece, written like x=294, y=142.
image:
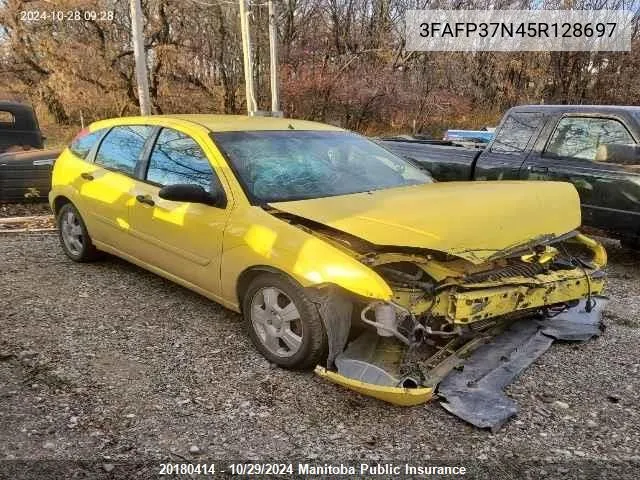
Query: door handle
x=146, y=199
x=86, y=176
x=537, y=169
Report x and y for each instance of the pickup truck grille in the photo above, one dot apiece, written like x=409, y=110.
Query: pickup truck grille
x=516, y=269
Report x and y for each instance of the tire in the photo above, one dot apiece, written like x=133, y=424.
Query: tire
x=73, y=234
x=267, y=313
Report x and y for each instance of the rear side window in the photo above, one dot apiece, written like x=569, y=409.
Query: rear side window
x=122, y=147
x=84, y=142
x=580, y=137
x=516, y=131
x=176, y=158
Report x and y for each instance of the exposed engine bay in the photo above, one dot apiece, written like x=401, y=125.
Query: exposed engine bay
x=445, y=308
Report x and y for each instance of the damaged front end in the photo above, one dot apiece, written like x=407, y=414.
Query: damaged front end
x=463, y=329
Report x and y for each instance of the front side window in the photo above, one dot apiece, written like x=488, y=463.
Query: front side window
x=177, y=159
x=516, y=132
x=276, y=166
x=580, y=137
x=122, y=147
x=84, y=142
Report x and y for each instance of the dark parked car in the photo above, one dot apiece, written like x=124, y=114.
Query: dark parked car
x=594, y=147
x=25, y=168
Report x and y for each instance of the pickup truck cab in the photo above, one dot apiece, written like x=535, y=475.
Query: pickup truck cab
x=25, y=166
x=19, y=129
x=591, y=146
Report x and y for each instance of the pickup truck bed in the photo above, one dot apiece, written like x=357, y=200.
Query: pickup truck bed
x=445, y=162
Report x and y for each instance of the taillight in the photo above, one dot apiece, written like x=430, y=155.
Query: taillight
x=82, y=133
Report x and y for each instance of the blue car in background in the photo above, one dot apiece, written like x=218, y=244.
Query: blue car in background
x=477, y=136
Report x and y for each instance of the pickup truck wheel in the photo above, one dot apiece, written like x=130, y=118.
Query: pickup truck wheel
x=74, y=237
x=283, y=323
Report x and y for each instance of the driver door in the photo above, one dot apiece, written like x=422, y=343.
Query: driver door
x=609, y=192
x=181, y=238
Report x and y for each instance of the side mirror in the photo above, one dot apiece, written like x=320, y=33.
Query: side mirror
x=620, y=153
x=185, y=192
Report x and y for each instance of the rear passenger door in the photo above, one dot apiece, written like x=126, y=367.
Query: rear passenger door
x=183, y=239
x=609, y=192
x=106, y=185
x=513, y=141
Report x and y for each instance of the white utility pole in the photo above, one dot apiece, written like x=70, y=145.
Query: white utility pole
x=273, y=56
x=137, y=34
x=246, y=52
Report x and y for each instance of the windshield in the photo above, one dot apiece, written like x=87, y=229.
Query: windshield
x=279, y=166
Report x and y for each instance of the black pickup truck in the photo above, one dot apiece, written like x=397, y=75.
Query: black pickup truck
x=594, y=147
x=25, y=168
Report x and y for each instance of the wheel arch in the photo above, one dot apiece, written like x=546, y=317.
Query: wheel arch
x=247, y=275
x=59, y=202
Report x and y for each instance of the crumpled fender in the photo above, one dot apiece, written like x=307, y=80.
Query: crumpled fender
x=256, y=238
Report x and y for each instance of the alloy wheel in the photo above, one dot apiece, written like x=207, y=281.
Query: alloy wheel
x=276, y=321
x=72, y=234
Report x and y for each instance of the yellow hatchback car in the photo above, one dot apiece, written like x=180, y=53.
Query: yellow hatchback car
x=333, y=249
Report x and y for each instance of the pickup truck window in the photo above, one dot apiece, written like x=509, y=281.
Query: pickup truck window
x=7, y=120
x=515, y=132
x=580, y=137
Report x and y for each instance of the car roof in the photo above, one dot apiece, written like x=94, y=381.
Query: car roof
x=223, y=123
x=576, y=108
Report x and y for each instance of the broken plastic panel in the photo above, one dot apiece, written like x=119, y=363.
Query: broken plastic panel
x=475, y=393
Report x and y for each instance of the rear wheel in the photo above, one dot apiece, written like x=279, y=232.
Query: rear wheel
x=283, y=323
x=74, y=237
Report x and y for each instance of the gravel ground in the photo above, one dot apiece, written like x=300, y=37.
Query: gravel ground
x=107, y=361
x=24, y=209
x=31, y=224
x=26, y=216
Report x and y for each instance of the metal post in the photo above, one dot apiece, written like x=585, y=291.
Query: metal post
x=137, y=34
x=273, y=56
x=246, y=52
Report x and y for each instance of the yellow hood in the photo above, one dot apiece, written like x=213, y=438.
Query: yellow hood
x=472, y=220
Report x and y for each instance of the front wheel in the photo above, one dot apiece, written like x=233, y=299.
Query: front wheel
x=74, y=237
x=283, y=323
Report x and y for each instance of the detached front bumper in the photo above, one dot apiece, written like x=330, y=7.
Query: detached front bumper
x=405, y=397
